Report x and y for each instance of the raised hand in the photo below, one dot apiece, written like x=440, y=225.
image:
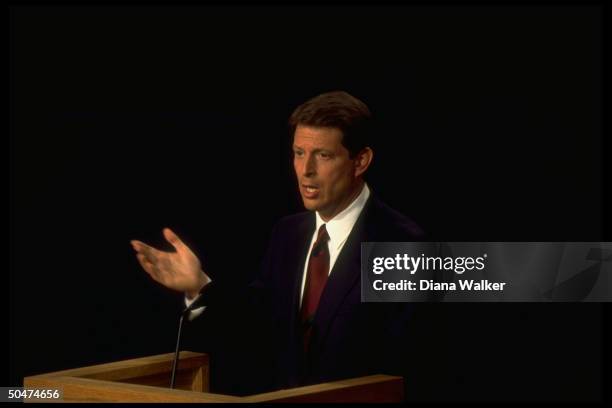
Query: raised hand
x=180, y=270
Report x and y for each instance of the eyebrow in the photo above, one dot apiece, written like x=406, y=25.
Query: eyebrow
x=317, y=150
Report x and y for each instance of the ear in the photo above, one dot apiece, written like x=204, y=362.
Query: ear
x=363, y=160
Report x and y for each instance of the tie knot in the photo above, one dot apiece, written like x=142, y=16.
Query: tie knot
x=322, y=235
x=321, y=242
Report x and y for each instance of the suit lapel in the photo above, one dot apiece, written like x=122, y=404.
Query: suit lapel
x=344, y=275
x=295, y=258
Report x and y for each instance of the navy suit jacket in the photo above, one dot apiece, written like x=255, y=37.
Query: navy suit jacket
x=349, y=338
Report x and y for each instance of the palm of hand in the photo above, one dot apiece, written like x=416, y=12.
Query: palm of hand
x=177, y=270
x=180, y=270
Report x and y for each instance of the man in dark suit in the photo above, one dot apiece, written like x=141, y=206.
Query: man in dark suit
x=302, y=319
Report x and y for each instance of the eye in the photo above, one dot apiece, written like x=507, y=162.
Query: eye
x=325, y=155
x=298, y=153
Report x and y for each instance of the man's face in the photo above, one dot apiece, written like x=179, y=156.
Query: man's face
x=325, y=173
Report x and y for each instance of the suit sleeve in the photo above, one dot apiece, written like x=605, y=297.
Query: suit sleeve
x=237, y=331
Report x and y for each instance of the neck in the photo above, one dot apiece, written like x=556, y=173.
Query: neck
x=355, y=191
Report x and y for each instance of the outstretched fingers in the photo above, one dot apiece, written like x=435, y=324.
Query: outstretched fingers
x=151, y=254
x=174, y=239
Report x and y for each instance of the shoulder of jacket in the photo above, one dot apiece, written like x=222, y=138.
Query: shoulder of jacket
x=398, y=226
x=289, y=222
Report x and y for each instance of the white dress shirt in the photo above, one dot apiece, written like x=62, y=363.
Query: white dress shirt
x=338, y=229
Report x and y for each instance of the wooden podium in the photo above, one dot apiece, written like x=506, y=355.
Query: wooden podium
x=147, y=379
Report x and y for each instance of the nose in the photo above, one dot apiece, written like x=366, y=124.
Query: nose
x=309, y=168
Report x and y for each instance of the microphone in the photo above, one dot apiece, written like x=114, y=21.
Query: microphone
x=198, y=302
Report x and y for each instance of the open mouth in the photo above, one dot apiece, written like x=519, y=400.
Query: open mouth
x=310, y=190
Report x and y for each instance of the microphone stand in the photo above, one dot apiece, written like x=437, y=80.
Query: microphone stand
x=184, y=313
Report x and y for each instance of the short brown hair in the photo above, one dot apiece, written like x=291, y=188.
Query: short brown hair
x=337, y=109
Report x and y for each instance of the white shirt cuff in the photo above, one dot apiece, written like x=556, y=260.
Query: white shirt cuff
x=198, y=310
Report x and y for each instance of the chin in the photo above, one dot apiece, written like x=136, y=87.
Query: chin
x=310, y=205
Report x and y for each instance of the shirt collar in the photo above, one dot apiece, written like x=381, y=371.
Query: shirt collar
x=339, y=227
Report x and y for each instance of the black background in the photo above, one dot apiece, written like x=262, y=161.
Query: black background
x=125, y=120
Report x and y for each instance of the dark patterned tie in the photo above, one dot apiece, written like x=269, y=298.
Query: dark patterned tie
x=316, y=277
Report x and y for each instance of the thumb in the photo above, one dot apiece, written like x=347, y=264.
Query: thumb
x=173, y=239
